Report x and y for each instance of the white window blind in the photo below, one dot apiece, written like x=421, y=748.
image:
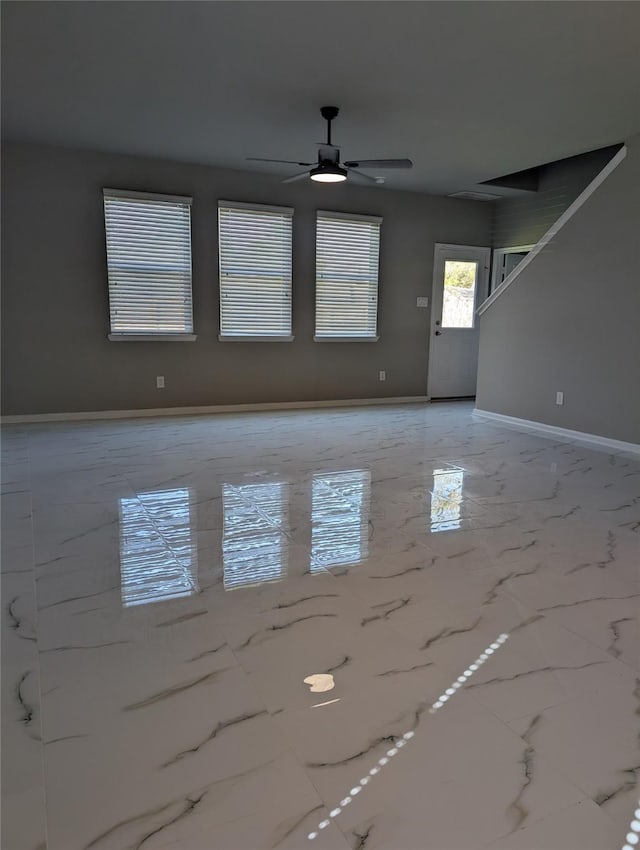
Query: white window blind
x=347, y=256
x=149, y=263
x=254, y=245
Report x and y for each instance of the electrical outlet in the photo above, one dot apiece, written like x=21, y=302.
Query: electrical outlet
x=559, y=398
x=160, y=382
x=382, y=375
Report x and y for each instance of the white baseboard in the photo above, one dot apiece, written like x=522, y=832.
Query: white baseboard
x=529, y=425
x=212, y=408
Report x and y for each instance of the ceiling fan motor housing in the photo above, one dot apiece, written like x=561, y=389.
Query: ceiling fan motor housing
x=329, y=153
x=329, y=112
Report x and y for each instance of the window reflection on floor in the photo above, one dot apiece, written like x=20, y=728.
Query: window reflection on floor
x=158, y=557
x=340, y=518
x=446, y=499
x=254, y=548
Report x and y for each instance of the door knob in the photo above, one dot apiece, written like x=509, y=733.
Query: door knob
x=438, y=333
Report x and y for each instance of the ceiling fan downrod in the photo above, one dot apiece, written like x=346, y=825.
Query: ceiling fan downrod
x=329, y=113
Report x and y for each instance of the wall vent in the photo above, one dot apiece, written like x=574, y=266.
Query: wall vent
x=474, y=196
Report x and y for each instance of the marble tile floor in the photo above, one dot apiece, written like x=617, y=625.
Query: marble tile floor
x=385, y=628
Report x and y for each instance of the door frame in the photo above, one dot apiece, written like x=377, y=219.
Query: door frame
x=498, y=254
x=482, y=290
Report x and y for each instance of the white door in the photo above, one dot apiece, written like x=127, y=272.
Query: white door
x=460, y=285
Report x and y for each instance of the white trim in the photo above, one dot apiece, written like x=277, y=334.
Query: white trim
x=448, y=246
x=346, y=338
x=243, y=205
x=214, y=408
x=568, y=214
x=254, y=338
x=147, y=196
x=152, y=337
x=373, y=219
x=529, y=425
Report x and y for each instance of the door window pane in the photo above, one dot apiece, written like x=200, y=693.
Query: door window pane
x=446, y=499
x=459, y=294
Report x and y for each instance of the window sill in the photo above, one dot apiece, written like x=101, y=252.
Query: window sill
x=227, y=338
x=346, y=338
x=152, y=337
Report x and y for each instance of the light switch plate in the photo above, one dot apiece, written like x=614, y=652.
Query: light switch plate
x=422, y=302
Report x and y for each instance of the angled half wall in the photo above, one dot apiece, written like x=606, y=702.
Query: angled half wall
x=568, y=318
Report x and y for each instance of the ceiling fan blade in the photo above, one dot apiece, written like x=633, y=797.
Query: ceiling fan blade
x=379, y=163
x=362, y=175
x=296, y=177
x=285, y=161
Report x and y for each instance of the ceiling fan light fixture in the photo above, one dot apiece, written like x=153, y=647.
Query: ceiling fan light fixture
x=328, y=169
x=328, y=172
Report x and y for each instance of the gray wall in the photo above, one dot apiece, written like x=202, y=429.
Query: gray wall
x=571, y=321
x=522, y=220
x=55, y=352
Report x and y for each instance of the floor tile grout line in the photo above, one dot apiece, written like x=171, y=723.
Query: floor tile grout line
x=37, y=643
x=631, y=838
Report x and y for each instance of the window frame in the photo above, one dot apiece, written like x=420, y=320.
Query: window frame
x=148, y=336
x=255, y=337
x=351, y=217
x=498, y=258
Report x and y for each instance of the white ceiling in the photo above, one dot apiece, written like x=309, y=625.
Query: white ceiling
x=468, y=90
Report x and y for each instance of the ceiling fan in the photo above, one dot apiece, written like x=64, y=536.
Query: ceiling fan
x=328, y=169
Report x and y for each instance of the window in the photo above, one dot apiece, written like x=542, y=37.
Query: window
x=254, y=246
x=149, y=265
x=347, y=253
x=254, y=547
x=340, y=518
x=459, y=293
x=158, y=557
